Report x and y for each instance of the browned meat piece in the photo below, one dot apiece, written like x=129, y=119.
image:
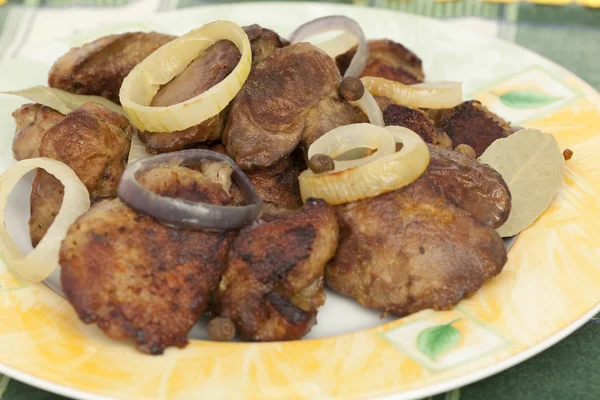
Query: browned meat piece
x=139, y=279
x=263, y=42
x=210, y=68
x=412, y=249
x=272, y=285
x=99, y=67
x=418, y=122
x=389, y=60
x=33, y=120
x=94, y=142
x=289, y=98
x=470, y=185
x=277, y=185
x=472, y=124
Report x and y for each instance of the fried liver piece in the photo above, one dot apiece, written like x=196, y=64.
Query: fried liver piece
x=290, y=98
x=138, y=279
x=263, y=42
x=273, y=282
x=470, y=185
x=472, y=124
x=418, y=122
x=99, y=67
x=389, y=60
x=33, y=120
x=412, y=249
x=94, y=142
x=210, y=68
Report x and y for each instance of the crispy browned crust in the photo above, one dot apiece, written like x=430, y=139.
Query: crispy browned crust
x=94, y=142
x=272, y=285
x=418, y=122
x=389, y=60
x=289, y=98
x=33, y=120
x=138, y=279
x=99, y=67
x=472, y=124
x=470, y=185
x=263, y=42
x=412, y=249
x=276, y=185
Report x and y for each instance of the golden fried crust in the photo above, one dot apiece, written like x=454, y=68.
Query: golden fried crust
x=263, y=42
x=472, y=124
x=411, y=249
x=389, y=60
x=99, y=67
x=33, y=120
x=470, y=185
x=291, y=96
x=138, y=279
x=276, y=185
x=272, y=286
x=418, y=122
x=94, y=142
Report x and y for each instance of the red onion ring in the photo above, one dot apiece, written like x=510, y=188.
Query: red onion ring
x=183, y=213
x=337, y=23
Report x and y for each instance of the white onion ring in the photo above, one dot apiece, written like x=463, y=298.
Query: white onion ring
x=184, y=213
x=369, y=106
x=39, y=264
x=337, y=23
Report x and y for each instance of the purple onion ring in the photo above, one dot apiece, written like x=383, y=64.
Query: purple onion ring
x=184, y=213
x=337, y=23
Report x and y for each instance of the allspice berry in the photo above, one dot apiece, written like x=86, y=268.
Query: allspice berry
x=351, y=88
x=320, y=163
x=567, y=154
x=466, y=150
x=221, y=329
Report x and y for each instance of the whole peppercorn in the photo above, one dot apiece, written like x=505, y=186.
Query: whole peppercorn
x=321, y=163
x=351, y=89
x=466, y=150
x=221, y=329
x=567, y=154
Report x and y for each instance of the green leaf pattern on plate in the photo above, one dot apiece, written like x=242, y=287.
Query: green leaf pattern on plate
x=438, y=339
x=527, y=99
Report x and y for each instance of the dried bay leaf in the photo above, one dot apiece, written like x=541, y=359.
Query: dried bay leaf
x=532, y=166
x=61, y=101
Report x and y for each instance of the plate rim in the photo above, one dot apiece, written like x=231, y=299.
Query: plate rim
x=417, y=392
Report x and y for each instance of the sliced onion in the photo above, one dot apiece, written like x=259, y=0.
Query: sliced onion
x=184, y=213
x=442, y=94
x=168, y=61
x=338, y=45
x=40, y=263
x=369, y=106
x=337, y=23
x=364, y=180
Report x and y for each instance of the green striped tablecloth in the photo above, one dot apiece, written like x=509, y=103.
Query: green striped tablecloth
x=569, y=35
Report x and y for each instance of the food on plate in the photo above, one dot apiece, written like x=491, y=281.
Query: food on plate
x=470, y=185
x=418, y=122
x=471, y=123
x=138, y=279
x=273, y=282
x=387, y=59
x=277, y=177
x=94, y=142
x=33, y=120
x=290, y=98
x=412, y=249
x=99, y=67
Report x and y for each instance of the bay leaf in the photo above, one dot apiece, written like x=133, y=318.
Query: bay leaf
x=437, y=339
x=62, y=101
x=532, y=166
x=527, y=99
